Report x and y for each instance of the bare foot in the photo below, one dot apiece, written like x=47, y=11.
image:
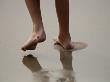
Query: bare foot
x=65, y=42
x=34, y=40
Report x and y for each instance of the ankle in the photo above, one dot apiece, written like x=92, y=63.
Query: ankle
x=64, y=39
x=38, y=28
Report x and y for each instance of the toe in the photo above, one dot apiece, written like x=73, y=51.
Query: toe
x=23, y=49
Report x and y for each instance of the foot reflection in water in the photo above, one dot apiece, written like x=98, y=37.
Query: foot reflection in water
x=67, y=72
x=63, y=75
x=32, y=63
x=41, y=75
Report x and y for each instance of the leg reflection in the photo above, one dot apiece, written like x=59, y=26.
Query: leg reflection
x=41, y=75
x=32, y=63
x=67, y=72
x=66, y=59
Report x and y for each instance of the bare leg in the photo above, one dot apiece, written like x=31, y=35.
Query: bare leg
x=38, y=34
x=62, y=9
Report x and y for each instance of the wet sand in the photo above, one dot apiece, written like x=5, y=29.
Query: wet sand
x=89, y=23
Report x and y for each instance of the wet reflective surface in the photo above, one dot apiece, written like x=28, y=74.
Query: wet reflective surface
x=89, y=25
x=64, y=74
